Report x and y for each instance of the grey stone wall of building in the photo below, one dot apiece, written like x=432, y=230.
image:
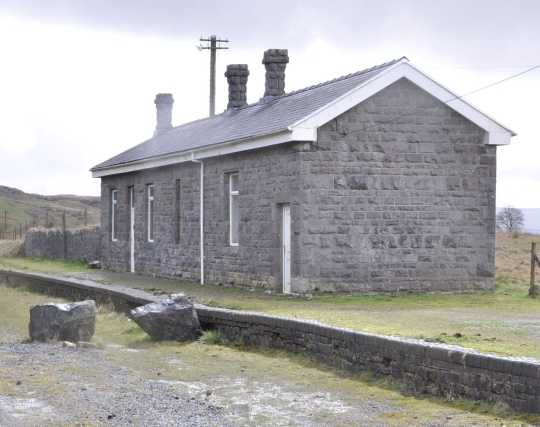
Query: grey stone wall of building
x=399, y=195
x=268, y=178
x=82, y=244
x=428, y=367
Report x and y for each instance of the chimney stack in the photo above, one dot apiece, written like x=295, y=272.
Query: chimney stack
x=237, y=77
x=164, y=104
x=275, y=61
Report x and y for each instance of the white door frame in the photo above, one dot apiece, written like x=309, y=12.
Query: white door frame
x=286, y=254
x=132, y=230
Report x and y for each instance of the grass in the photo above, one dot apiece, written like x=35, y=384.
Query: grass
x=279, y=387
x=504, y=322
x=11, y=248
x=43, y=265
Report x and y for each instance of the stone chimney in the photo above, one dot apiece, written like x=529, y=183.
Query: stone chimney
x=237, y=77
x=275, y=61
x=164, y=103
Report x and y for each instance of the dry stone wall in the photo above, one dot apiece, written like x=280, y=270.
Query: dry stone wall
x=82, y=244
x=427, y=367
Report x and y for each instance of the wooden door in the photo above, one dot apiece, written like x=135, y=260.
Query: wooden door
x=286, y=248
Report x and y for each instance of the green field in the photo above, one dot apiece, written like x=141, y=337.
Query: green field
x=505, y=322
x=277, y=387
x=19, y=209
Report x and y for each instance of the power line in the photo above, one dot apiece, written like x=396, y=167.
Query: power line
x=488, y=66
x=47, y=164
x=444, y=102
x=493, y=84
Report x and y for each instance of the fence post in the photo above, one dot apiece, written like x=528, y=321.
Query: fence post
x=532, y=289
x=64, y=249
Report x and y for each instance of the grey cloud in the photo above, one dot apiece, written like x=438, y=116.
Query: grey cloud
x=482, y=30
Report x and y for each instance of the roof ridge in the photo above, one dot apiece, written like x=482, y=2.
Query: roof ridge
x=350, y=75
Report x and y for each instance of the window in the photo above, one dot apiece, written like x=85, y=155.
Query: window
x=177, y=211
x=234, y=212
x=150, y=213
x=114, y=214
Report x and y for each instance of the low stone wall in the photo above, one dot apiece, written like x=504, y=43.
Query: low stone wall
x=433, y=368
x=123, y=299
x=81, y=244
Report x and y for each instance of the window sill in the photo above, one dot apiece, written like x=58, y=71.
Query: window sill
x=231, y=250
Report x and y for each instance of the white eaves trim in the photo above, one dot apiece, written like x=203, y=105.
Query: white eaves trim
x=496, y=133
x=306, y=128
x=202, y=153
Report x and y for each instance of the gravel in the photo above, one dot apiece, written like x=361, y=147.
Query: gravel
x=48, y=385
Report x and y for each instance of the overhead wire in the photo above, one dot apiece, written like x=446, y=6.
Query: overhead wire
x=48, y=164
x=481, y=66
x=427, y=108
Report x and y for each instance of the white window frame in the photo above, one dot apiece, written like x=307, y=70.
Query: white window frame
x=150, y=194
x=114, y=213
x=233, y=195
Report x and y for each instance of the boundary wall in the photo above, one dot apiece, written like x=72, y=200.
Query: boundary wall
x=82, y=244
x=427, y=367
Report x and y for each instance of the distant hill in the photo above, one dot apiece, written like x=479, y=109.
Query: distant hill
x=37, y=210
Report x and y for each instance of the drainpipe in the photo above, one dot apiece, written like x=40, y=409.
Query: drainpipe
x=202, y=214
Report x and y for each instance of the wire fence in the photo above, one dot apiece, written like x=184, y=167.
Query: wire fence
x=13, y=229
x=14, y=232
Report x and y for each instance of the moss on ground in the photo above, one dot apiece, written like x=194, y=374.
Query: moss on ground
x=503, y=322
x=270, y=383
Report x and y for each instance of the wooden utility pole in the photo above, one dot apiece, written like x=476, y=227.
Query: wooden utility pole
x=213, y=47
x=5, y=221
x=535, y=259
x=64, y=249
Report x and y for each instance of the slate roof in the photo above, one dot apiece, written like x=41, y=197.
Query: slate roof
x=250, y=121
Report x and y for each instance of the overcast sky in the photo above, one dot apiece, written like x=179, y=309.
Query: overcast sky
x=78, y=77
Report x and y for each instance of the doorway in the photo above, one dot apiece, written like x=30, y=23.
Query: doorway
x=286, y=262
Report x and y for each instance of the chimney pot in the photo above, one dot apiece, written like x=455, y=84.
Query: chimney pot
x=164, y=104
x=275, y=61
x=237, y=77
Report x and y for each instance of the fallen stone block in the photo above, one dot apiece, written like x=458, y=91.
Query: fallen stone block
x=94, y=264
x=63, y=322
x=174, y=318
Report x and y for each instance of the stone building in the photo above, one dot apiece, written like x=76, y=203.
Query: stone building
x=382, y=180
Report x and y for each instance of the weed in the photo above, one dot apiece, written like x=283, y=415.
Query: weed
x=213, y=337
